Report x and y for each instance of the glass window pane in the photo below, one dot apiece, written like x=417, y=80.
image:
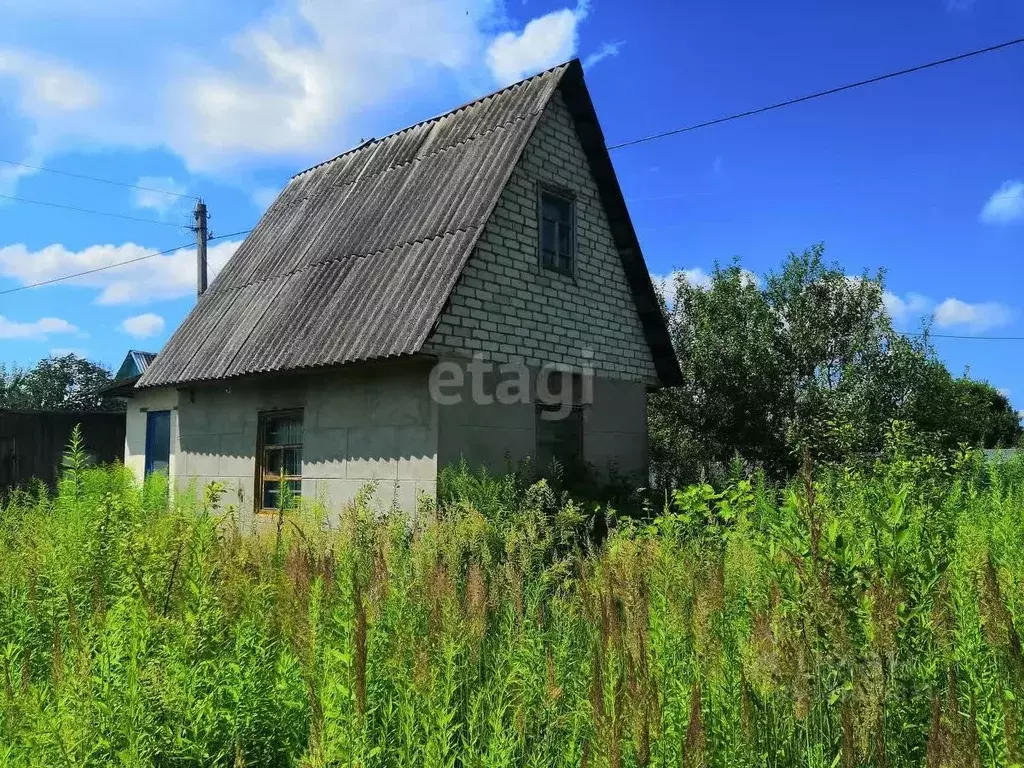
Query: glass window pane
x=557, y=235
x=548, y=235
x=271, y=494
x=272, y=461
x=281, y=458
x=283, y=430
x=556, y=208
x=292, y=461
x=158, y=442
x=565, y=239
x=548, y=207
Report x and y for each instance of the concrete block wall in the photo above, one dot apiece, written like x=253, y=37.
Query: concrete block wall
x=509, y=308
x=498, y=436
x=615, y=428
x=135, y=428
x=368, y=424
x=494, y=436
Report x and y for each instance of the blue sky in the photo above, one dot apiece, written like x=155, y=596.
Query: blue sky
x=923, y=175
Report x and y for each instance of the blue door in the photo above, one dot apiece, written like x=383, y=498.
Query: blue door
x=158, y=441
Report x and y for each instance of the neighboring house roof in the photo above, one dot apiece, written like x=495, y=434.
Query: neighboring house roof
x=357, y=257
x=135, y=364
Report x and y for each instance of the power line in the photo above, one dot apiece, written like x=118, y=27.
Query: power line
x=966, y=338
x=230, y=234
x=88, y=210
x=819, y=94
x=91, y=271
x=96, y=178
x=62, y=278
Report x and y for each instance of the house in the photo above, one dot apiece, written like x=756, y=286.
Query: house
x=468, y=287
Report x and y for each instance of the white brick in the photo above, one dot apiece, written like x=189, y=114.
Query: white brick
x=506, y=304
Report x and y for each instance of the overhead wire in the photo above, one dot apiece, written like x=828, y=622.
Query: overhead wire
x=965, y=337
x=94, y=270
x=621, y=145
x=97, y=178
x=90, y=211
x=819, y=94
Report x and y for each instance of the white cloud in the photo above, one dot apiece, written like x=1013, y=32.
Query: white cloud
x=170, y=276
x=301, y=82
x=544, y=42
x=143, y=326
x=974, y=318
x=602, y=53
x=36, y=330
x=666, y=284
x=47, y=86
x=697, y=277
x=1005, y=205
x=904, y=308
x=301, y=79
x=153, y=197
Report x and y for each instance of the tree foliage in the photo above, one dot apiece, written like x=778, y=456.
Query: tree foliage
x=57, y=383
x=809, y=361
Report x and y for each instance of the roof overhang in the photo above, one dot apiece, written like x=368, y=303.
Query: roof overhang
x=577, y=99
x=119, y=388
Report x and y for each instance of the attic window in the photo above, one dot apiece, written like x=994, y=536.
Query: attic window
x=557, y=232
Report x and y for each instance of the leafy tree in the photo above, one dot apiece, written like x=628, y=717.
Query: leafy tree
x=808, y=361
x=60, y=383
x=969, y=411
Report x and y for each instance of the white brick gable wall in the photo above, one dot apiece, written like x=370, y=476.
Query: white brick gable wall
x=506, y=306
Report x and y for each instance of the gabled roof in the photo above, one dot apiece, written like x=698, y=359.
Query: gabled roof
x=357, y=257
x=123, y=384
x=135, y=364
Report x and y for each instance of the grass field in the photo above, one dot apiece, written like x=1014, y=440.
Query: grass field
x=853, y=620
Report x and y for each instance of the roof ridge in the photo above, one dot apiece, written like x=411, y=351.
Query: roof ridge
x=362, y=145
x=297, y=270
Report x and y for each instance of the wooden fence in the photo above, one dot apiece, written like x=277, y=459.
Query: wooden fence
x=32, y=443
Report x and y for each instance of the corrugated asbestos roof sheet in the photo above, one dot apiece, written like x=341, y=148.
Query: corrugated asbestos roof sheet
x=357, y=257
x=135, y=364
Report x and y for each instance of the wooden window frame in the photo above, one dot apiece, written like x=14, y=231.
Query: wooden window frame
x=567, y=196
x=262, y=476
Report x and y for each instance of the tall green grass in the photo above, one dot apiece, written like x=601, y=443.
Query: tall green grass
x=851, y=620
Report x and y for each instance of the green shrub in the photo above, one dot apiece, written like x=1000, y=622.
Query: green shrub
x=848, y=620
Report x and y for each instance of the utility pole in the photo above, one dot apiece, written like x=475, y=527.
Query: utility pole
x=202, y=235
